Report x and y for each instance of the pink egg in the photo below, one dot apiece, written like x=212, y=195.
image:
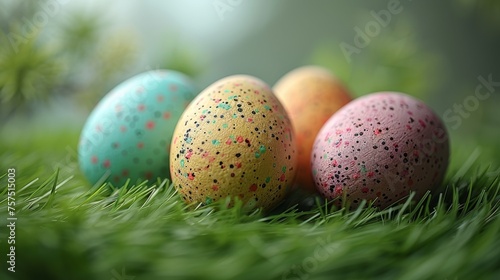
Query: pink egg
x=380, y=147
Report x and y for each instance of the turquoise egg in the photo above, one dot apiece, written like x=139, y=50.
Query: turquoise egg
x=128, y=134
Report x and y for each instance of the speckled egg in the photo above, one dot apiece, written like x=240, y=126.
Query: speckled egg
x=380, y=147
x=310, y=94
x=235, y=139
x=128, y=134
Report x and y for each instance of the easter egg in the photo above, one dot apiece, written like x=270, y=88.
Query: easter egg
x=234, y=140
x=380, y=147
x=128, y=134
x=311, y=95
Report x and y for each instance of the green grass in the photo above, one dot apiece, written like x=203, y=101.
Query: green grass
x=68, y=230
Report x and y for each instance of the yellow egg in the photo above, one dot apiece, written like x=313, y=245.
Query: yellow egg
x=311, y=95
x=234, y=139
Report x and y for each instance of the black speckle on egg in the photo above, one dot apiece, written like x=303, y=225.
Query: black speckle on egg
x=235, y=137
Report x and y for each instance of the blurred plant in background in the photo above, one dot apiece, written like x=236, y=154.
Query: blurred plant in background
x=486, y=10
x=483, y=125
x=78, y=59
x=76, y=56
x=28, y=75
x=392, y=61
x=183, y=59
x=99, y=59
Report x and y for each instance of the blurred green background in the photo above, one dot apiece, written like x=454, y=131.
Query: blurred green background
x=59, y=57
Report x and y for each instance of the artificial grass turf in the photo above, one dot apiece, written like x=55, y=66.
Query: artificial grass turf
x=68, y=230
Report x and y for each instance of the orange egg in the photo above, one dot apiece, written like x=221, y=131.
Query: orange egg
x=310, y=95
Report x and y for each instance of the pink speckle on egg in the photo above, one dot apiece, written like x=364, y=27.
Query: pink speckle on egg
x=397, y=144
